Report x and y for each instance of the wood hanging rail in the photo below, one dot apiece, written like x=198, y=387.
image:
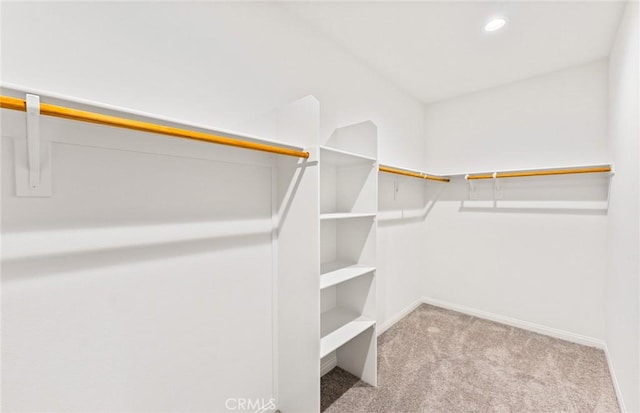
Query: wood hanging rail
x=12, y=103
x=542, y=172
x=420, y=175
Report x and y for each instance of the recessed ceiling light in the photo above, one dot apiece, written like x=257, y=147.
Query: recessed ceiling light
x=495, y=24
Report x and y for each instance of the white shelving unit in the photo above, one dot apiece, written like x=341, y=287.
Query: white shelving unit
x=347, y=219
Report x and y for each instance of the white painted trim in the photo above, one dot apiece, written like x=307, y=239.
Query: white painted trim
x=399, y=316
x=330, y=361
x=614, y=379
x=514, y=322
x=275, y=222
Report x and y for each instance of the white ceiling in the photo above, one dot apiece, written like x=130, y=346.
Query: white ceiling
x=437, y=50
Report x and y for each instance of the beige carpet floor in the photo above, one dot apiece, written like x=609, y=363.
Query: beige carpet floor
x=436, y=360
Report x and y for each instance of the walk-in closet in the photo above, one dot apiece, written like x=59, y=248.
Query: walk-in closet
x=320, y=207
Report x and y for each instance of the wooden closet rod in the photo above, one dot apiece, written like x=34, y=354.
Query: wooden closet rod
x=542, y=172
x=420, y=175
x=7, y=102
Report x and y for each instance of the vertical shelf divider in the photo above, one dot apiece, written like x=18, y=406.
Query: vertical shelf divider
x=296, y=235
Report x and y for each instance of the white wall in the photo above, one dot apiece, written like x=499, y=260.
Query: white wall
x=214, y=63
x=402, y=207
x=622, y=292
x=552, y=120
x=217, y=64
x=539, y=257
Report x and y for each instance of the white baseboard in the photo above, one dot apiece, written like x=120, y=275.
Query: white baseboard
x=514, y=322
x=328, y=363
x=402, y=314
x=614, y=379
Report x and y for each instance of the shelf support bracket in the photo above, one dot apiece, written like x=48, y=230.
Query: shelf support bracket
x=33, y=155
x=33, y=140
x=473, y=189
x=498, y=193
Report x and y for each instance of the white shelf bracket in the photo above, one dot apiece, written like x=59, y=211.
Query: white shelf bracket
x=498, y=193
x=33, y=156
x=473, y=188
x=33, y=140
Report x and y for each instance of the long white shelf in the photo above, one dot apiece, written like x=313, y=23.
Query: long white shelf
x=339, y=157
x=337, y=272
x=338, y=326
x=346, y=215
x=457, y=174
x=85, y=104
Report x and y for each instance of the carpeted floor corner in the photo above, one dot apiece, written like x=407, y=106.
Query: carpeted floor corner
x=440, y=361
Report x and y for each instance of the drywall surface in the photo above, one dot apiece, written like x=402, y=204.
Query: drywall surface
x=552, y=120
x=142, y=328
x=622, y=292
x=214, y=63
x=538, y=254
x=403, y=204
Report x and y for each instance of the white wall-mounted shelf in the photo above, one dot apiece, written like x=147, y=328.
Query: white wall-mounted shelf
x=339, y=157
x=338, y=326
x=337, y=272
x=15, y=90
x=541, y=171
x=347, y=215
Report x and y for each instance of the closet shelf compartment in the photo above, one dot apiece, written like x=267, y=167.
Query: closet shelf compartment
x=337, y=272
x=340, y=325
x=339, y=157
x=346, y=215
